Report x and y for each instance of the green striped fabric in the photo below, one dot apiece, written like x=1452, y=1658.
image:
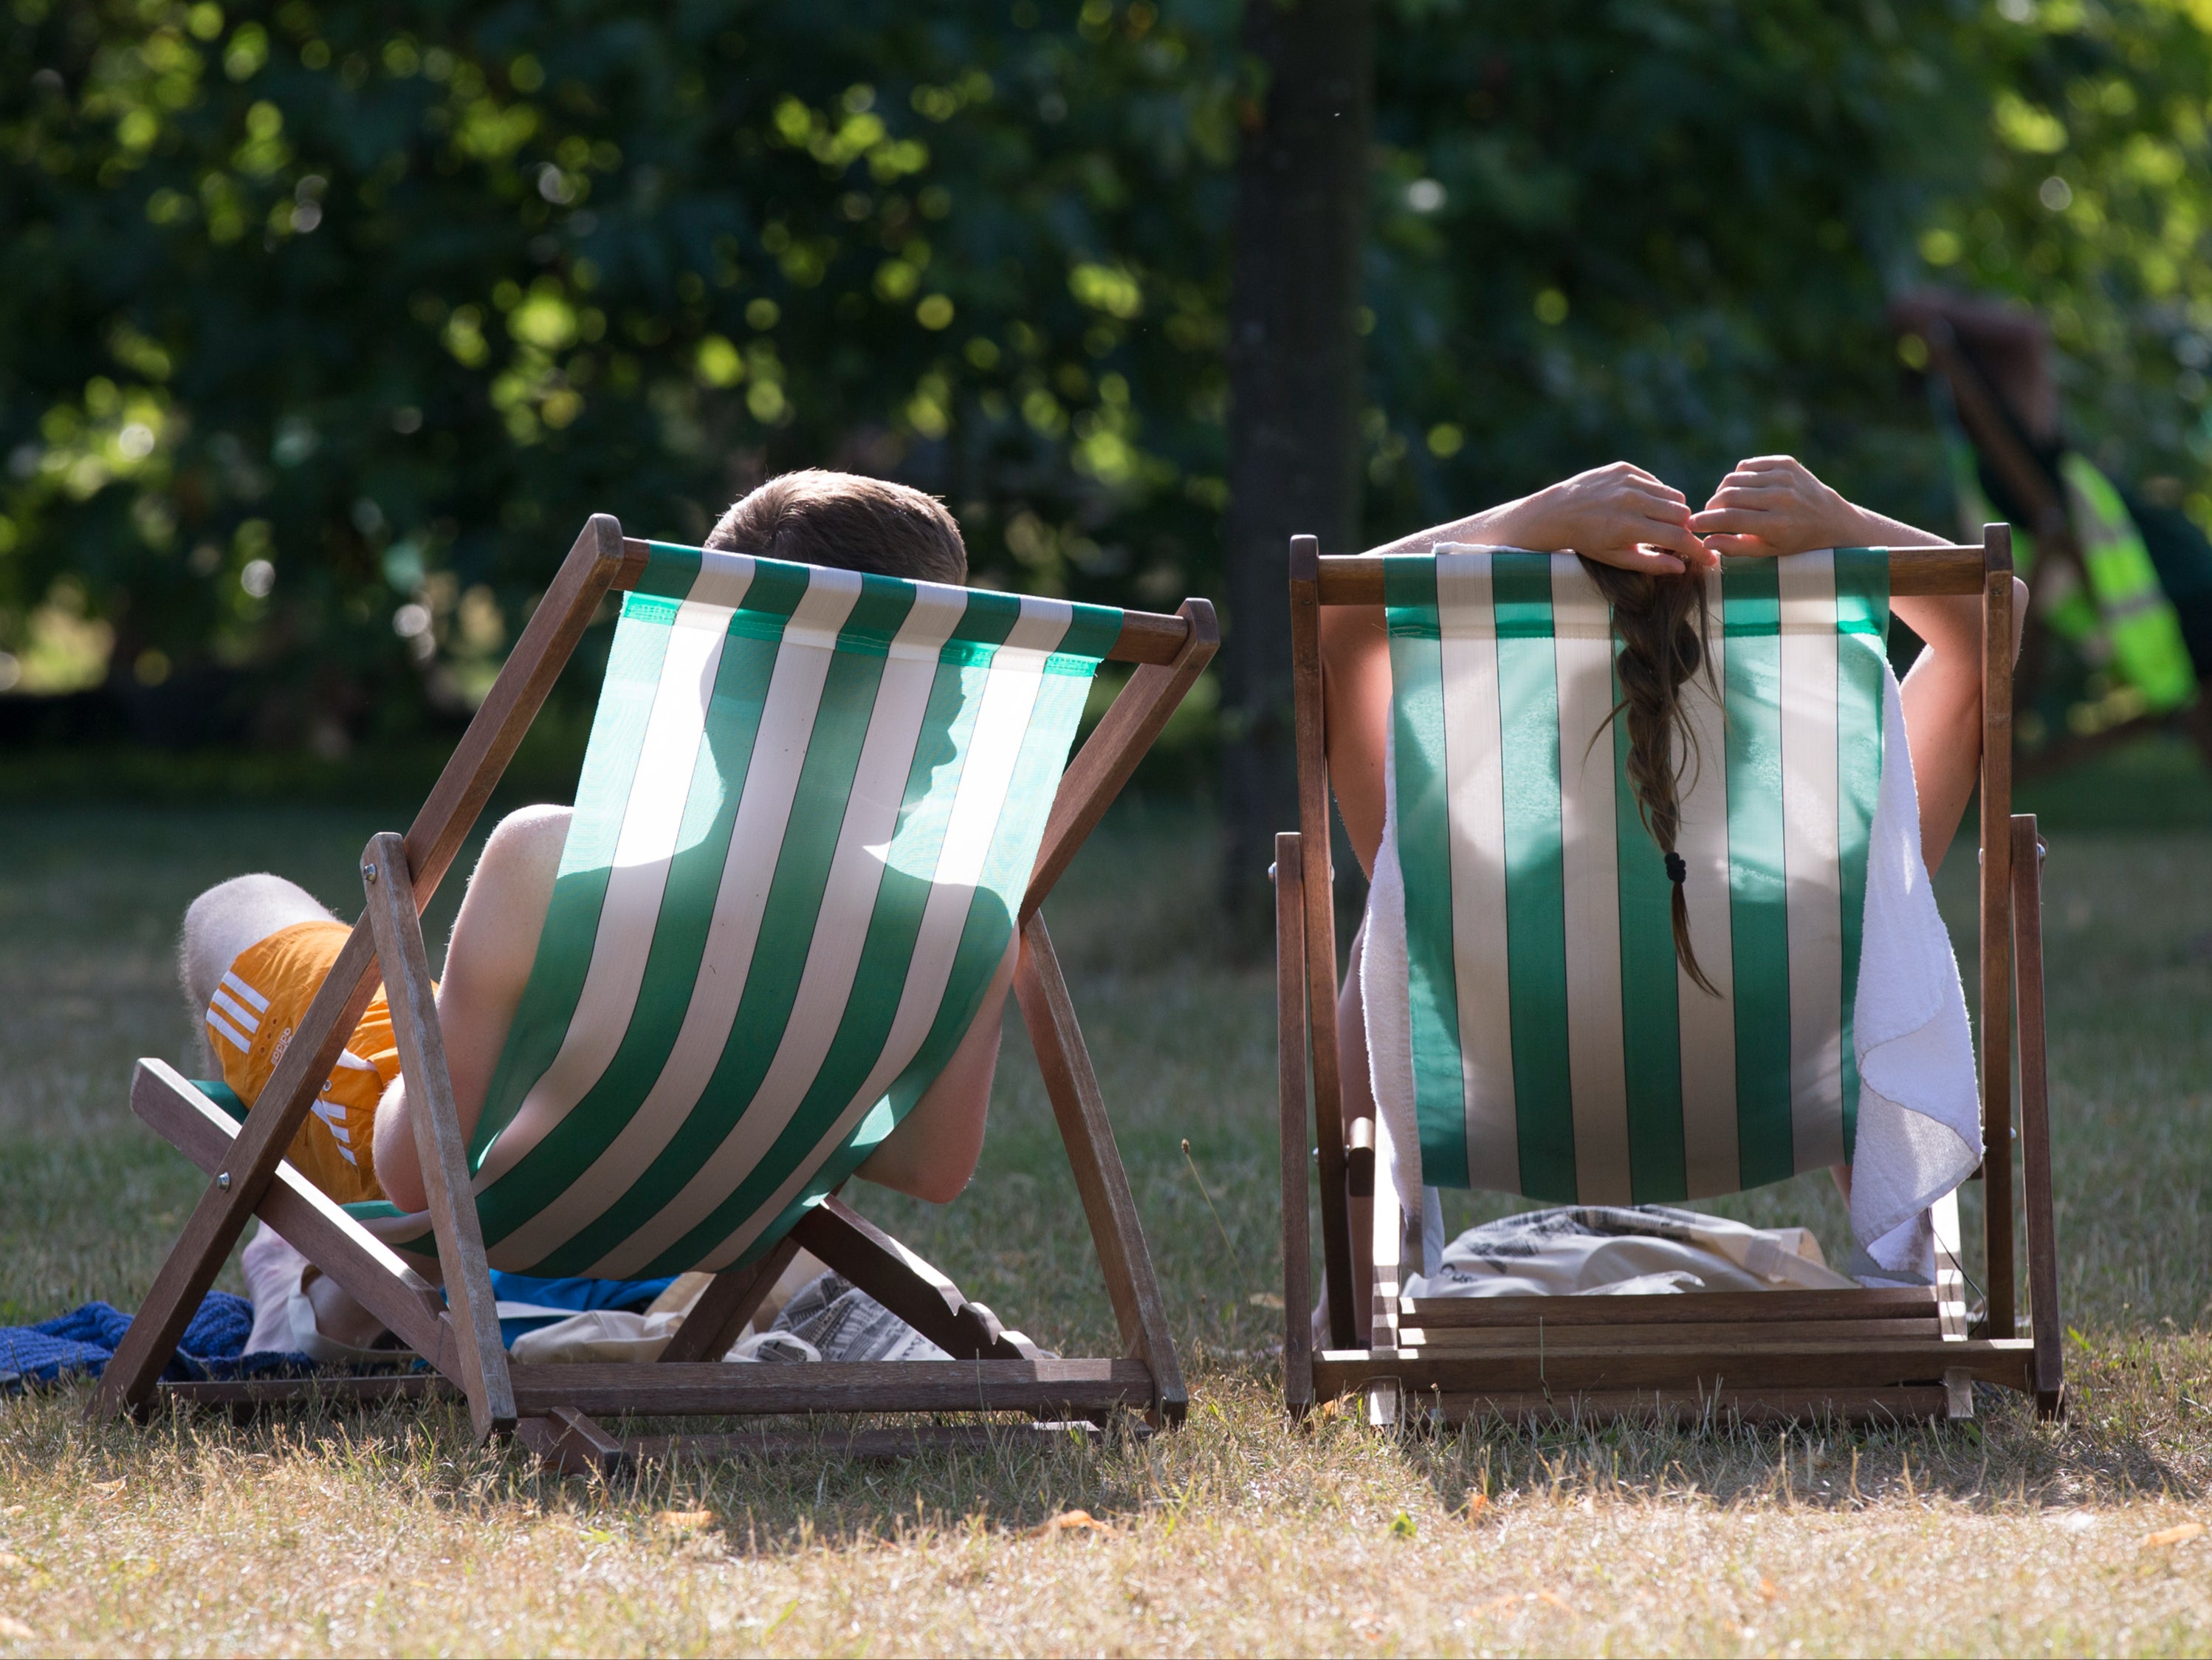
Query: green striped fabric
x=1553, y=1047
x=810, y=807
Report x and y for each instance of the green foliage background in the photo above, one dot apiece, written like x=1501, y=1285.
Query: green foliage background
x=367, y=306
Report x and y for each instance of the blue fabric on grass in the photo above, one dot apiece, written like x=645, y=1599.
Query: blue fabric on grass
x=577, y=1296
x=84, y=1338
x=214, y=1344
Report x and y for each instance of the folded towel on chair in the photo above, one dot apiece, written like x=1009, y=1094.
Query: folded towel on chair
x=1596, y=1250
x=1920, y=1115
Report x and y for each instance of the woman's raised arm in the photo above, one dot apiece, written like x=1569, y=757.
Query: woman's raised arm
x=1773, y=505
x=1618, y=514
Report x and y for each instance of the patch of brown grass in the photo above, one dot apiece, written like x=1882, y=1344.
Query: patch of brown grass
x=387, y=1531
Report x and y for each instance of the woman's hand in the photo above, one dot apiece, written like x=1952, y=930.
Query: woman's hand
x=1773, y=505
x=1618, y=515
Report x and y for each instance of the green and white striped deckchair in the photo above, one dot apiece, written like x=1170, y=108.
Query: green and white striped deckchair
x=809, y=809
x=1529, y=1030
x=816, y=810
x=1551, y=1045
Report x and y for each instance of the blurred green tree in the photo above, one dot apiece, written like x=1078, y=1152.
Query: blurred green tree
x=322, y=327
x=1667, y=229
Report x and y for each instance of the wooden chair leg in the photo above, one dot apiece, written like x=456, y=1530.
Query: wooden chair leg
x=2037, y=1199
x=906, y=1285
x=728, y=1301
x=572, y=1442
x=1996, y=1024
x=438, y=1139
x=1291, y=1087
x=1079, y=1108
x=1341, y=1239
x=1958, y=1395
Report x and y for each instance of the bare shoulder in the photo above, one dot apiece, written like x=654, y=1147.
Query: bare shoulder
x=528, y=834
x=504, y=912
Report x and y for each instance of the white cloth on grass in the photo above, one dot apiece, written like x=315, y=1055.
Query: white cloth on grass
x=827, y=1319
x=284, y=1317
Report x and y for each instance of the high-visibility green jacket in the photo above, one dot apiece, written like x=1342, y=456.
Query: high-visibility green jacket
x=2123, y=622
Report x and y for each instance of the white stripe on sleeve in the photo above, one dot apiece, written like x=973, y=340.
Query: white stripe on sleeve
x=230, y=1034
x=237, y=1011
x=238, y=986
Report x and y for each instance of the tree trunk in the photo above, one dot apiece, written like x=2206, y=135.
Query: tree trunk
x=1294, y=384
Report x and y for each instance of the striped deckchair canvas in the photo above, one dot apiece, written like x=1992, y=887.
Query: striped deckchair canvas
x=1534, y=1012
x=810, y=805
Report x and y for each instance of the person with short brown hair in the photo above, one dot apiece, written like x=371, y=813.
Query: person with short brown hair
x=842, y=518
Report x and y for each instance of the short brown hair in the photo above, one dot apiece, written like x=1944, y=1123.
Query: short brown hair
x=842, y=518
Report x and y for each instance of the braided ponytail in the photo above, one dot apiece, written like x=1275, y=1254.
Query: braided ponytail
x=1662, y=622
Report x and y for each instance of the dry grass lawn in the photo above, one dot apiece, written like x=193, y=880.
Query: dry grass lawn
x=386, y=1532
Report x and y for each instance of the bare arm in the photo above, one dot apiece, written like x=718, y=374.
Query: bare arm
x=1619, y=514
x=487, y=968
x=1773, y=505
x=930, y=1155
x=933, y=1152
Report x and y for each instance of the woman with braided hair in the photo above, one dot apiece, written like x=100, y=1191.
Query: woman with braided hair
x=1648, y=552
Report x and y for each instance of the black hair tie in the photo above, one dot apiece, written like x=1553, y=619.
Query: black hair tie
x=1677, y=872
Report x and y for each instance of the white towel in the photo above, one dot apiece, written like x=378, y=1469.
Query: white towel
x=1920, y=1115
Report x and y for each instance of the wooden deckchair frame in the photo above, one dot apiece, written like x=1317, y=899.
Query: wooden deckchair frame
x=993, y=1370
x=1853, y=1354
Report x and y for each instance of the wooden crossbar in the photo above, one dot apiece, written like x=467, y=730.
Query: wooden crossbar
x=1145, y=637
x=1599, y=1362
x=1914, y=573
x=1902, y=1303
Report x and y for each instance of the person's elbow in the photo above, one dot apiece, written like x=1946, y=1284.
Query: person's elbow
x=943, y=1180
x=937, y=1168
x=399, y=1168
